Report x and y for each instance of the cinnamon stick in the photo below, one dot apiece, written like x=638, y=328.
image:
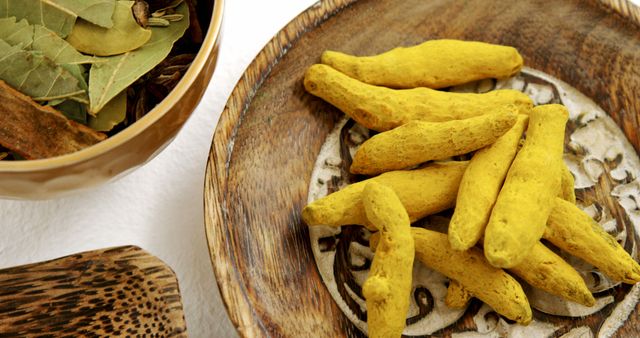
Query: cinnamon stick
x=35, y=132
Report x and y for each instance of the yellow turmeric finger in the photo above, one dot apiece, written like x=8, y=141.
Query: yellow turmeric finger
x=567, y=190
x=545, y=270
x=485, y=282
x=418, y=142
x=381, y=108
x=387, y=289
x=457, y=296
x=433, y=64
x=542, y=269
x=423, y=192
x=573, y=231
x=480, y=186
x=518, y=218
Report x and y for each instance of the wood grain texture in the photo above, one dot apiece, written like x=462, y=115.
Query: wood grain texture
x=121, y=291
x=271, y=131
x=624, y=8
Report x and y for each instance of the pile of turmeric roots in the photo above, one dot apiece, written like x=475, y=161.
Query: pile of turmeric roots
x=507, y=197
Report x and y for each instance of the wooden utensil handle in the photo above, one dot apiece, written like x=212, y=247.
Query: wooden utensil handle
x=110, y=292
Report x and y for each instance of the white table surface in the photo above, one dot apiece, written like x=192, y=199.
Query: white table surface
x=159, y=207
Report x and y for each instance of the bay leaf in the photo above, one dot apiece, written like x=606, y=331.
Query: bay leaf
x=98, y=12
x=37, y=37
x=33, y=74
x=73, y=110
x=79, y=73
x=107, y=79
x=125, y=35
x=113, y=113
x=55, y=102
x=57, y=49
x=14, y=32
x=43, y=12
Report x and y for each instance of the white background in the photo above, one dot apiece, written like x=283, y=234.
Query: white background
x=159, y=207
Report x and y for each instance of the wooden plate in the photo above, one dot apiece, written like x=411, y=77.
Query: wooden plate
x=270, y=133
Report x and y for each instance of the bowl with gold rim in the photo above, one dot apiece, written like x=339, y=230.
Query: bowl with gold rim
x=130, y=144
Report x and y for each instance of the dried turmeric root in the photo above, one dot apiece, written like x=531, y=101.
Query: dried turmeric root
x=480, y=186
x=387, y=289
x=545, y=270
x=469, y=268
x=432, y=64
x=567, y=190
x=423, y=192
x=519, y=216
x=573, y=231
x=457, y=296
x=418, y=142
x=542, y=269
x=382, y=109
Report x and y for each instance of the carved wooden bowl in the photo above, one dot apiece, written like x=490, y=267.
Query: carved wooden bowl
x=128, y=149
x=267, y=144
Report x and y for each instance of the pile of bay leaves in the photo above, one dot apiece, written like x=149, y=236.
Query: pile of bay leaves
x=73, y=72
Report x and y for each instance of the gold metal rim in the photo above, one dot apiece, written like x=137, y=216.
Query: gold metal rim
x=208, y=46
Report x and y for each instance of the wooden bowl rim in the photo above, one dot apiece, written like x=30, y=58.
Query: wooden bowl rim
x=232, y=290
x=207, y=50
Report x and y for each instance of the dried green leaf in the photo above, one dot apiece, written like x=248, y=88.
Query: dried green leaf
x=125, y=35
x=107, y=79
x=33, y=74
x=111, y=115
x=79, y=73
x=57, y=49
x=73, y=110
x=55, y=102
x=98, y=12
x=39, y=38
x=43, y=12
x=14, y=32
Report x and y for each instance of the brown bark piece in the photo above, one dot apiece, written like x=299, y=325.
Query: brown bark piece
x=36, y=132
x=141, y=12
